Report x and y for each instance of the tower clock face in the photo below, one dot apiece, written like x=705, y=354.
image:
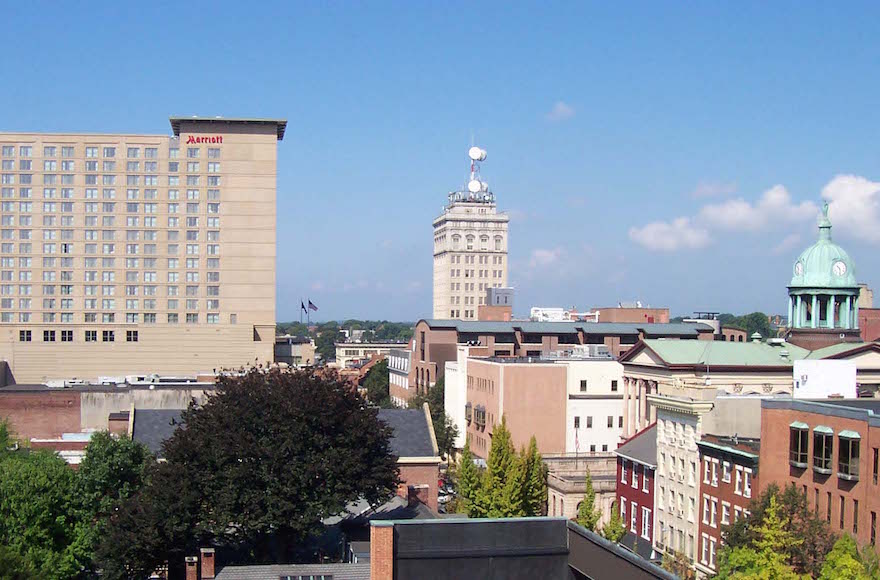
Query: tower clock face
x=799, y=269
x=839, y=268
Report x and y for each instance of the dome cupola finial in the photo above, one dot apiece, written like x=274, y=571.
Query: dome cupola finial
x=825, y=224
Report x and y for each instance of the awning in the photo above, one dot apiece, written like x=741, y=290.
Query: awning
x=799, y=425
x=823, y=429
x=847, y=434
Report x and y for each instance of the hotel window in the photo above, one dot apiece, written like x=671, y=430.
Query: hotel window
x=24, y=335
x=172, y=318
x=91, y=336
x=213, y=153
x=67, y=152
x=131, y=336
x=107, y=336
x=848, y=465
x=109, y=151
x=213, y=318
x=173, y=153
x=192, y=318
x=25, y=151
x=48, y=336
x=192, y=152
x=8, y=151
x=49, y=151
x=133, y=166
x=823, y=447
x=134, y=152
x=66, y=336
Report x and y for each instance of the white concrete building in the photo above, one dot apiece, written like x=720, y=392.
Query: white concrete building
x=470, y=248
x=594, y=410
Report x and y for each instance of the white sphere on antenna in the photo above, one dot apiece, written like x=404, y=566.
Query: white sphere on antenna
x=474, y=185
x=477, y=154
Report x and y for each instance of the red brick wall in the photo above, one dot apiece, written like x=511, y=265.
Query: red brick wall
x=869, y=323
x=382, y=552
x=41, y=414
x=631, y=494
x=420, y=474
x=775, y=440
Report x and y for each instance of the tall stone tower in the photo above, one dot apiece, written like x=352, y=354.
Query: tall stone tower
x=823, y=294
x=470, y=247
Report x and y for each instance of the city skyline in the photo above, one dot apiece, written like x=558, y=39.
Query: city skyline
x=698, y=150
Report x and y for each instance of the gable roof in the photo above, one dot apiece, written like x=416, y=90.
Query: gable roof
x=153, y=426
x=412, y=433
x=641, y=447
x=341, y=571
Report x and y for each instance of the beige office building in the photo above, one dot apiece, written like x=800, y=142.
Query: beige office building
x=132, y=254
x=470, y=248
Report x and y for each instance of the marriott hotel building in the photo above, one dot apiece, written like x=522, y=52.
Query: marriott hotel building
x=135, y=254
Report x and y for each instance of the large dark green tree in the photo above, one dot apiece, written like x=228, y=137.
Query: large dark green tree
x=258, y=466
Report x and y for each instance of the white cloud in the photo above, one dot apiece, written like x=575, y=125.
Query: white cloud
x=662, y=236
x=774, y=206
x=854, y=206
x=787, y=244
x=713, y=189
x=541, y=258
x=560, y=112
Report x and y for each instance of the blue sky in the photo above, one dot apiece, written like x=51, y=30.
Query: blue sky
x=671, y=153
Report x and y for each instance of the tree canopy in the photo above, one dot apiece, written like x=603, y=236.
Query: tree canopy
x=267, y=457
x=588, y=514
x=376, y=384
x=614, y=529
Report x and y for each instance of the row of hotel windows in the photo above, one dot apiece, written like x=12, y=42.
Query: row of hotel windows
x=90, y=335
x=823, y=451
x=107, y=207
x=107, y=304
x=148, y=318
x=496, y=260
x=470, y=286
x=106, y=193
x=107, y=249
x=107, y=276
x=91, y=152
x=456, y=273
x=106, y=179
x=484, y=242
x=109, y=166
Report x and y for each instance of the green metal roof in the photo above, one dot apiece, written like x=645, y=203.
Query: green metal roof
x=835, y=349
x=798, y=425
x=717, y=353
x=815, y=266
x=823, y=429
x=847, y=434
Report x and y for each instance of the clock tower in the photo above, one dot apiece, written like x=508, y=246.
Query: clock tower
x=823, y=294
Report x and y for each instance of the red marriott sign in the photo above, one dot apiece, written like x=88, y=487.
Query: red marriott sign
x=193, y=139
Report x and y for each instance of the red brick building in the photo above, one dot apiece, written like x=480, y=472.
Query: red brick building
x=729, y=469
x=636, y=467
x=830, y=450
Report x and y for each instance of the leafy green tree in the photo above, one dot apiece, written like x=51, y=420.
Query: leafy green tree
x=768, y=558
x=535, y=484
x=588, y=514
x=470, y=484
x=444, y=428
x=6, y=439
x=678, y=564
x=258, y=466
x=503, y=475
x=14, y=567
x=326, y=338
x=376, y=384
x=818, y=539
x=614, y=529
x=38, y=517
x=846, y=562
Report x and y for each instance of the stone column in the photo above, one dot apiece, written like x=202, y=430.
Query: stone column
x=626, y=387
x=855, y=314
x=790, y=310
x=846, y=323
x=814, y=318
x=829, y=312
x=797, y=317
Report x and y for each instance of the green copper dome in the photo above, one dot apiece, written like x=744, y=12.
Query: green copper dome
x=824, y=264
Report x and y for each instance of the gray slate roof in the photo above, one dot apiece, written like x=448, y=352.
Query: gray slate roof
x=359, y=571
x=153, y=426
x=642, y=447
x=412, y=436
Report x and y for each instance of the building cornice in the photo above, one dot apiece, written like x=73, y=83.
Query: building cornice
x=685, y=406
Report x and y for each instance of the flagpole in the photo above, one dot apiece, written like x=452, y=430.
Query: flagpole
x=309, y=313
x=300, y=311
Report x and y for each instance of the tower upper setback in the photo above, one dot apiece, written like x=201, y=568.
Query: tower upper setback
x=470, y=247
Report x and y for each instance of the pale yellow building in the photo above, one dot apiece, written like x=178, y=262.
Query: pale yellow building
x=129, y=254
x=470, y=248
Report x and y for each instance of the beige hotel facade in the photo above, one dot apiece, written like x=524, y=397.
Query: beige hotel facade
x=137, y=254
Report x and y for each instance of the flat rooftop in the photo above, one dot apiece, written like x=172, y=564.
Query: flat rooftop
x=280, y=124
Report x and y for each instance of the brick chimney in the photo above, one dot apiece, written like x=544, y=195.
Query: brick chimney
x=192, y=568
x=381, y=551
x=207, y=563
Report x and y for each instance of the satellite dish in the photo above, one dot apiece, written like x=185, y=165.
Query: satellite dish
x=484, y=186
x=474, y=185
x=477, y=154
